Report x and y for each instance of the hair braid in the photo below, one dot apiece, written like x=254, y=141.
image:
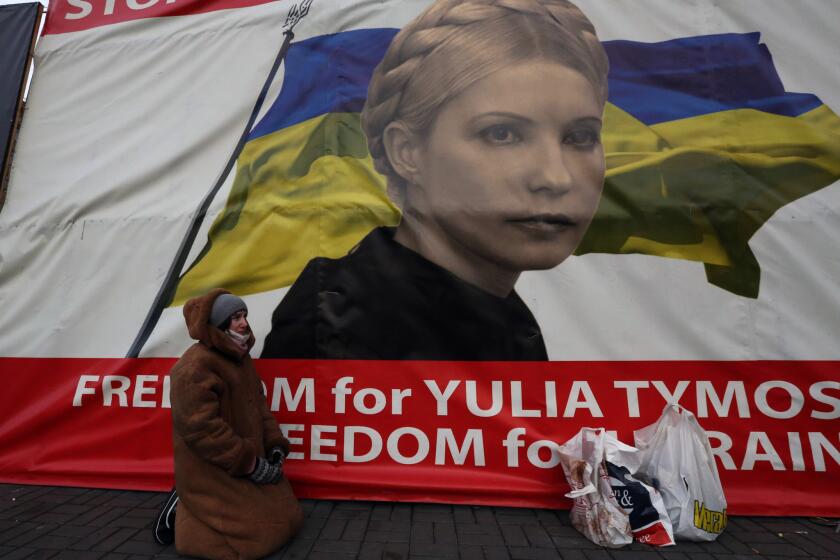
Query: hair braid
x=406, y=52
x=439, y=26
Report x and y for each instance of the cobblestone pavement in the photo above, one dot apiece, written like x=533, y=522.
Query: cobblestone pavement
x=75, y=523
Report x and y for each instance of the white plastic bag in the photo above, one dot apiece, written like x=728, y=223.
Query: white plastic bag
x=595, y=512
x=677, y=458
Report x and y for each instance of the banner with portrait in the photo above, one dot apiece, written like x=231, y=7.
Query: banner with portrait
x=464, y=230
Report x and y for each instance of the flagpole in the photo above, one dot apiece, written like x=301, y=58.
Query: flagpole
x=167, y=290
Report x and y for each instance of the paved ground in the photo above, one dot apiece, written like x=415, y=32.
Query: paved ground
x=63, y=523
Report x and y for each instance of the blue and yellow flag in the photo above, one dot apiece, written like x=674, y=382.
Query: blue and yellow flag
x=703, y=144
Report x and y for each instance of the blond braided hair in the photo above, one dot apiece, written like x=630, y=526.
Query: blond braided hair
x=455, y=43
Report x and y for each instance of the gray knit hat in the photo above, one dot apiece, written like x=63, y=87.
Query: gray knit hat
x=224, y=306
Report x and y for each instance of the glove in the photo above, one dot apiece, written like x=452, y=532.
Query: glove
x=276, y=456
x=265, y=473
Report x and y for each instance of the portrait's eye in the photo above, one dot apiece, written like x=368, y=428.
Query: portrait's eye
x=583, y=138
x=501, y=134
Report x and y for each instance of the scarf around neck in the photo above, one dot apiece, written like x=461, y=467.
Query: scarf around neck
x=240, y=340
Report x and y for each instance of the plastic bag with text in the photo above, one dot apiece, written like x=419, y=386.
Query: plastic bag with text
x=595, y=512
x=676, y=455
x=649, y=521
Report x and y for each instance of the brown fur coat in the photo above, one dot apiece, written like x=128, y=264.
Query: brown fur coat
x=220, y=423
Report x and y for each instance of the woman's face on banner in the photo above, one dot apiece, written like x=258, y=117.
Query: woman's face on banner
x=512, y=168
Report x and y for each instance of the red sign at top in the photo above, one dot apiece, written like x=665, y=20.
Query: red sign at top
x=76, y=15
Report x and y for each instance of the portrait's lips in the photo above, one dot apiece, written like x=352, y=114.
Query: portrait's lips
x=544, y=223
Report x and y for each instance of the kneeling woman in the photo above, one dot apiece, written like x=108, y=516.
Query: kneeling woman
x=233, y=500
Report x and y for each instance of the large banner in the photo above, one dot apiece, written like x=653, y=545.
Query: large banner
x=464, y=230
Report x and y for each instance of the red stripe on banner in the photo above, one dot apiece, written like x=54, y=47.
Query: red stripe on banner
x=65, y=16
x=436, y=431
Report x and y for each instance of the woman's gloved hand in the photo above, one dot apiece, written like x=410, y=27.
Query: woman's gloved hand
x=265, y=472
x=276, y=456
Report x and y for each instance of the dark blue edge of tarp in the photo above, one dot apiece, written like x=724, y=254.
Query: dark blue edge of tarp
x=17, y=24
x=654, y=82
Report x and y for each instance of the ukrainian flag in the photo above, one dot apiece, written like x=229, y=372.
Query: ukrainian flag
x=703, y=144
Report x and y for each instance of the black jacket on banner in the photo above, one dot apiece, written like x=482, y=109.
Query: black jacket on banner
x=384, y=301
